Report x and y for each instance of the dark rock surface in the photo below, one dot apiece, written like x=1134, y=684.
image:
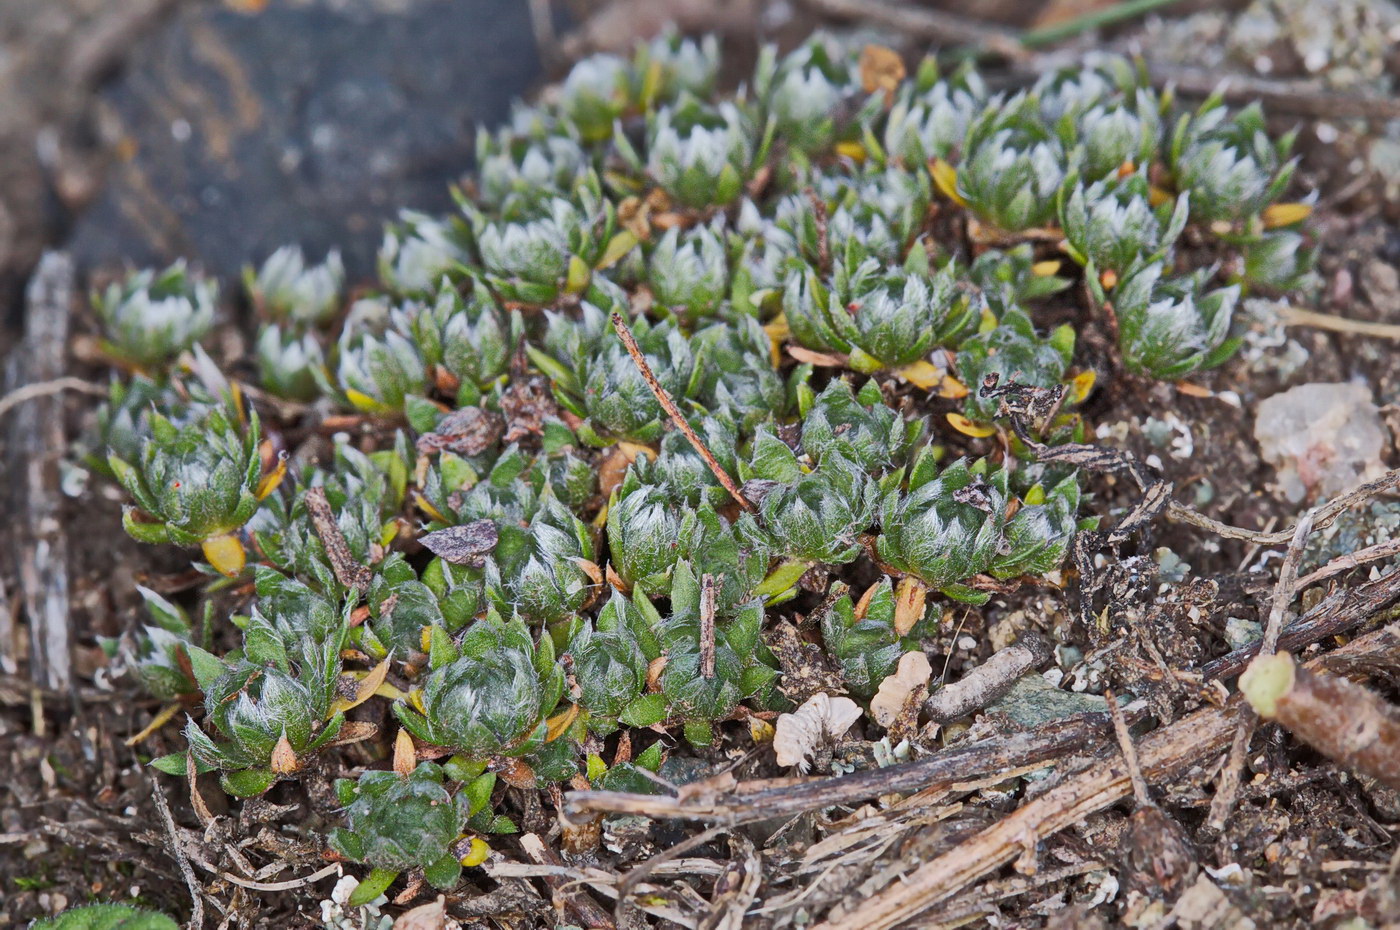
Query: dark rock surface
x=306, y=122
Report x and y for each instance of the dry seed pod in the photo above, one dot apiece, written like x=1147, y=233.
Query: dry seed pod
x=1342, y=720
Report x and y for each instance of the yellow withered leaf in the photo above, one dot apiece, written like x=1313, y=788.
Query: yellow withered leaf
x=952, y=389
x=863, y=604
x=272, y=479
x=1046, y=269
x=1285, y=214
x=428, y=508
x=910, y=598
x=559, y=724
x=820, y=359
x=477, y=852
x=365, y=689
x=922, y=374
x=364, y=403
x=578, y=276
x=760, y=730
x=614, y=465
x=945, y=178
x=591, y=569
x=778, y=331
x=1081, y=384
x=618, y=246
x=158, y=721
x=226, y=554
x=965, y=426
x=387, y=690
x=852, y=150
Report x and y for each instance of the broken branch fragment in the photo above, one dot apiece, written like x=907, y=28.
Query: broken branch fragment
x=464, y=545
x=988, y=681
x=1342, y=720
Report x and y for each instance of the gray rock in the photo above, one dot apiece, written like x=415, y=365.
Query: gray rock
x=310, y=122
x=1322, y=438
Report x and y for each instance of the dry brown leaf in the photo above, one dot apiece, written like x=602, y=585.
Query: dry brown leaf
x=654, y=669
x=614, y=466
x=820, y=359
x=405, y=756
x=913, y=672
x=424, y=917
x=864, y=603
x=881, y=69
x=284, y=757
x=469, y=544
x=820, y=720
x=910, y=599
x=354, y=731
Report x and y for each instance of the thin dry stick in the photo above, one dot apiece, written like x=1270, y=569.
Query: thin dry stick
x=1296, y=316
x=578, y=901
x=946, y=769
x=925, y=22
x=347, y=570
x=674, y=412
x=1346, y=563
x=1130, y=756
x=707, y=626
x=1322, y=516
x=289, y=885
x=45, y=388
x=635, y=876
x=1298, y=97
x=1287, y=582
x=1224, y=801
x=178, y=851
x=988, y=681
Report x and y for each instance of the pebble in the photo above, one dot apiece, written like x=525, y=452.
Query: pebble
x=1322, y=438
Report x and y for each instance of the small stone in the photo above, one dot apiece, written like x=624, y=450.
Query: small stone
x=1322, y=438
x=1240, y=632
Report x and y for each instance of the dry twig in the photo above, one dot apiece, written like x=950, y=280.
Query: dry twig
x=1125, y=744
x=290, y=885
x=1346, y=563
x=635, y=876
x=177, y=850
x=674, y=412
x=348, y=571
x=707, y=626
x=1224, y=802
x=988, y=681
x=46, y=388
x=925, y=22
x=589, y=913
x=1333, y=615
x=946, y=769
x=1279, y=96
